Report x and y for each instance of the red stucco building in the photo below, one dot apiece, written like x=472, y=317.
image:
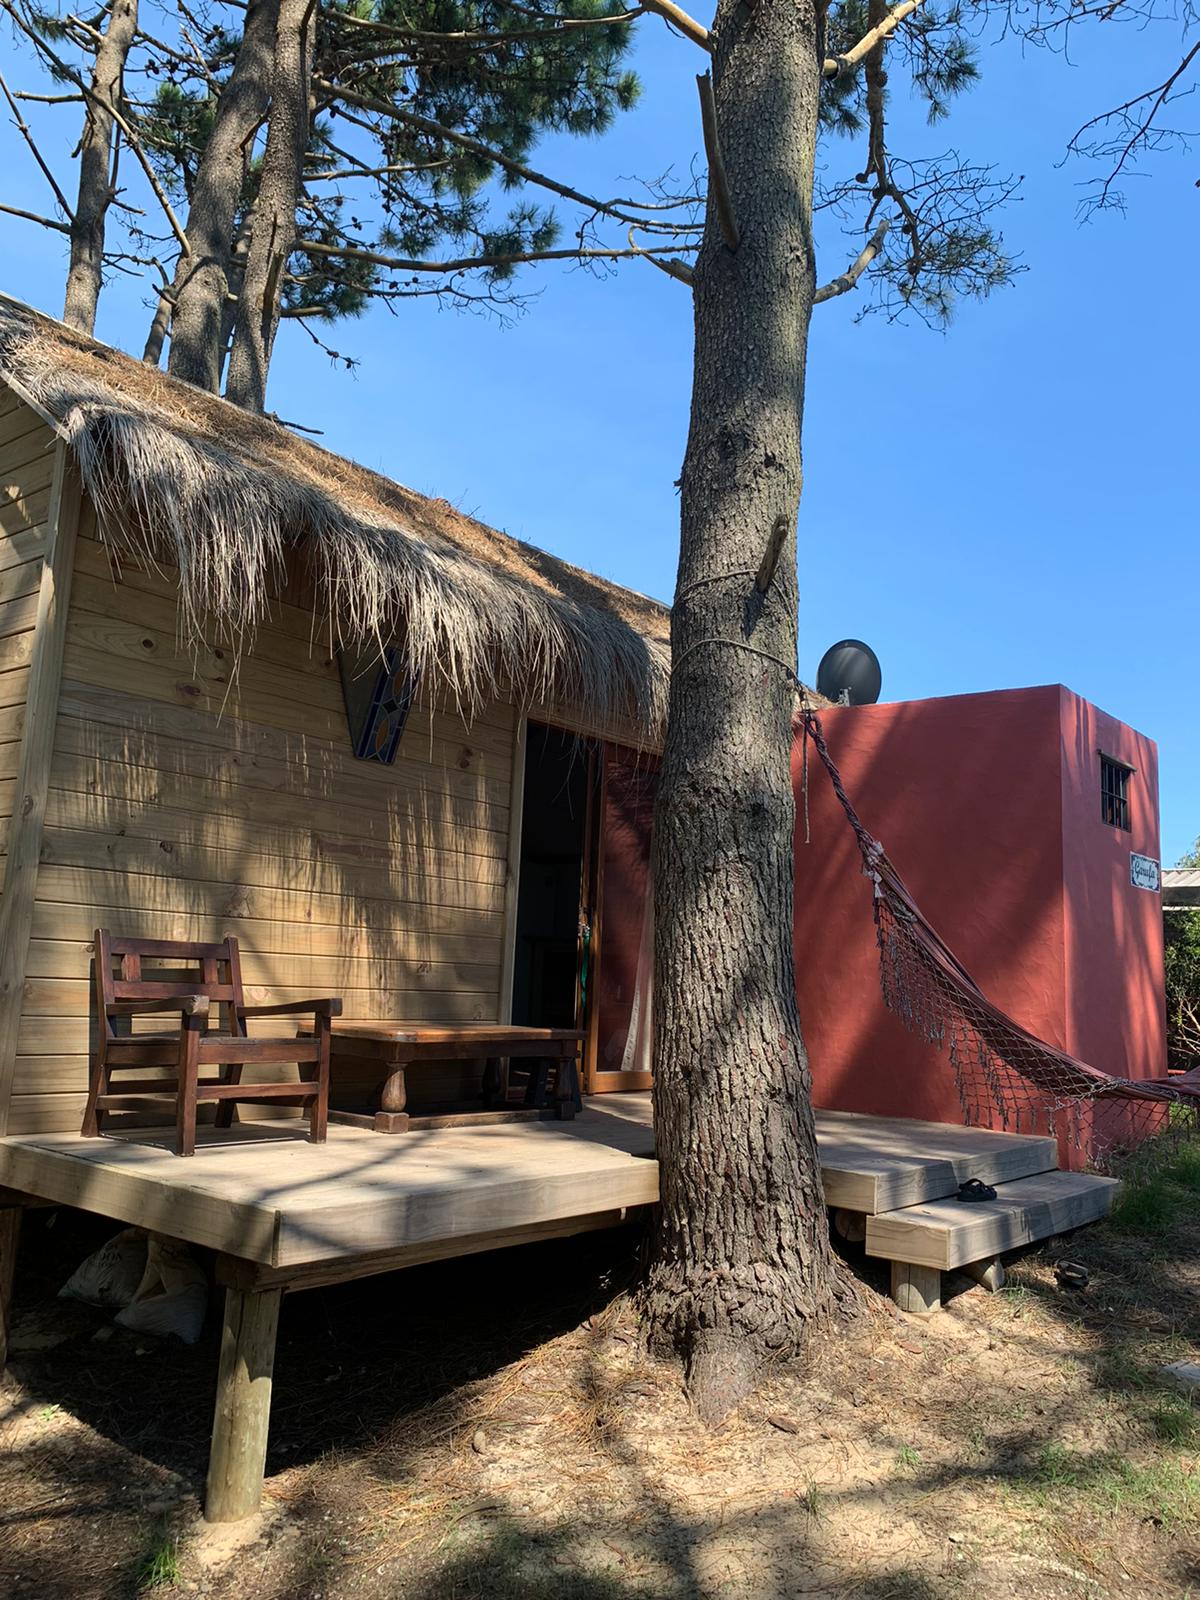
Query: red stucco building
x=1014, y=818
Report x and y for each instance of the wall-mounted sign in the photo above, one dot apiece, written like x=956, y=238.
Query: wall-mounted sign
x=1144, y=873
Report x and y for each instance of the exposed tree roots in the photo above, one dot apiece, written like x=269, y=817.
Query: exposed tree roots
x=724, y=1356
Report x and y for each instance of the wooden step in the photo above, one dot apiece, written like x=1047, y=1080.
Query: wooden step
x=944, y=1234
x=874, y=1164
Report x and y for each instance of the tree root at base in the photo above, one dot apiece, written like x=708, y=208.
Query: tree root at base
x=723, y=1364
x=720, y=1373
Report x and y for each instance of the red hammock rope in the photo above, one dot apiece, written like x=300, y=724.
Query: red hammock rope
x=1002, y=1070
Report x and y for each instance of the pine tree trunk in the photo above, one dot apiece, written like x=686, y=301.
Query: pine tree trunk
x=275, y=211
x=742, y=1266
x=237, y=276
x=157, y=336
x=201, y=279
x=84, y=275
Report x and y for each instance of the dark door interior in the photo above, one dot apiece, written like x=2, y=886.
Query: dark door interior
x=558, y=775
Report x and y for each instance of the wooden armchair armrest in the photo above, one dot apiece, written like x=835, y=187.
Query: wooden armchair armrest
x=291, y=1008
x=187, y=1005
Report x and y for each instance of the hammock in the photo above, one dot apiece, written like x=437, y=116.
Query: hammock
x=1003, y=1072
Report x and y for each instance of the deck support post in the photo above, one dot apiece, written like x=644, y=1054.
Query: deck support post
x=10, y=1234
x=916, y=1289
x=850, y=1226
x=243, y=1409
x=989, y=1273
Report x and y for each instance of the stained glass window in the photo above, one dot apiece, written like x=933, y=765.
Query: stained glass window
x=379, y=691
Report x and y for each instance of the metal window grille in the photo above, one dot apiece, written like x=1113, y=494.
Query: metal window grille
x=1114, y=792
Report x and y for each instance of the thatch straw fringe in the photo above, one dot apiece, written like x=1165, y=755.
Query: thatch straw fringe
x=181, y=484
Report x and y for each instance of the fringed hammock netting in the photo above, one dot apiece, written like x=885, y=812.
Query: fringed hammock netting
x=1004, y=1073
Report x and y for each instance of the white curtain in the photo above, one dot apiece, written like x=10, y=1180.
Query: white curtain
x=638, y=1054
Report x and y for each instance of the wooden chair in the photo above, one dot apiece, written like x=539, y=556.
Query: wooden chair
x=137, y=977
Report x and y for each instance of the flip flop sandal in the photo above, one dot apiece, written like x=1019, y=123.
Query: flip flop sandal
x=1071, y=1275
x=975, y=1192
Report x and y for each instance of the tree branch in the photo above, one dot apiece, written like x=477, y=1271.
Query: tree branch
x=132, y=138
x=835, y=65
x=32, y=216
x=334, y=355
x=1142, y=129
x=24, y=130
x=849, y=279
x=48, y=99
x=679, y=270
x=466, y=263
x=561, y=25
x=86, y=28
x=672, y=14
x=438, y=130
x=342, y=173
x=878, y=164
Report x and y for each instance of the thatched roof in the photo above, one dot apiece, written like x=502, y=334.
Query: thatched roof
x=184, y=478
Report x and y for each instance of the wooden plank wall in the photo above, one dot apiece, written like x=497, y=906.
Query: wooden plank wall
x=26, y=468
x=190, y=798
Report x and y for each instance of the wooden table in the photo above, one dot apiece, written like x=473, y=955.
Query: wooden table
x=395, y=1047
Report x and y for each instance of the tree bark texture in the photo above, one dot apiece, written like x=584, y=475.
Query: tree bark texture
x=274, y=232
x=84, y=274
x=201, y=278
x=237, y=276
x=157, y=336
x=741, y=1265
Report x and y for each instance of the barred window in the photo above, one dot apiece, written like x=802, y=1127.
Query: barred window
x=1114, y=792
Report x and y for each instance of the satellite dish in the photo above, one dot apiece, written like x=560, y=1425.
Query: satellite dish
x=850, y=674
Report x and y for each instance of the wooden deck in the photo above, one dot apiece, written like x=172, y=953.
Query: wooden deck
x=284, y=1215
x=261, y=1193
x=258, y=1192
x=876, y=1164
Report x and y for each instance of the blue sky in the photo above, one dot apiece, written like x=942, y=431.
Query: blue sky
x=1011, y=502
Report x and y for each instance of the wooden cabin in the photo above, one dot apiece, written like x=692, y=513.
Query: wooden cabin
x=195, y=607
x=249, y=688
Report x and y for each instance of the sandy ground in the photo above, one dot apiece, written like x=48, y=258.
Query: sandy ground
x=494, y=1428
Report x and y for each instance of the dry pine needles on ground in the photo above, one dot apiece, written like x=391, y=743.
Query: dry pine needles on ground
x=502, y=1433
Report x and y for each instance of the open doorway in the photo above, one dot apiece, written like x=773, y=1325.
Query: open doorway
x=551, y=898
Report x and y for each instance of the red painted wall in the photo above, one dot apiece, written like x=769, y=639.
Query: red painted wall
x=989, y=805
x=1115, y=1007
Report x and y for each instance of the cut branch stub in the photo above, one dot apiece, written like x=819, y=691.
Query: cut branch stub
x=718, y=180
x=771, y=554
x=688, y=26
